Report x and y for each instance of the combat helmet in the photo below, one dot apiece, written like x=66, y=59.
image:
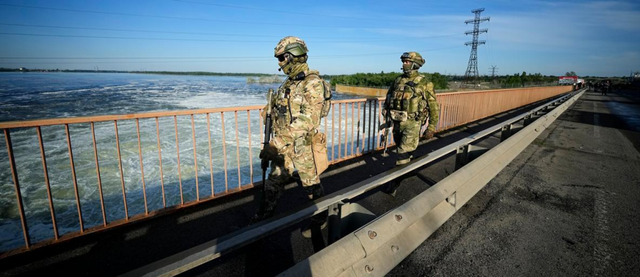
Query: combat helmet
x=292, y=45
x=414, y=57
x=291, y=53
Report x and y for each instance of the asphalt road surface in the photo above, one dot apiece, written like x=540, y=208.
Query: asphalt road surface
x=569, y=205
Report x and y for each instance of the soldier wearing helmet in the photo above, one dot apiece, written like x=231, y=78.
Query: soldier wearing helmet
x=410, y=103
x=298, y=106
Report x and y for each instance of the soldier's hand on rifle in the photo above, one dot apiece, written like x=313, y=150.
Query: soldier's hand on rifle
x=384, y=125
x=429, y=134
x=269, y=152
x=263, y=114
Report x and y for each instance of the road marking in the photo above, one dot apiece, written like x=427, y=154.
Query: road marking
x=601, y=252
x=596, y=127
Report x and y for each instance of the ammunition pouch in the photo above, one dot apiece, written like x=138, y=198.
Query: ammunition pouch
x=414, y=104
x=319, y=149
x=282, y=109
x=399, y=115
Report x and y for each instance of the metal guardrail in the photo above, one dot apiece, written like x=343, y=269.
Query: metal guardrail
x=339, y=253
x=120, y=157
x=400, y=231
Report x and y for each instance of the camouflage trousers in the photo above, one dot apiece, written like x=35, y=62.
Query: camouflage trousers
x=298, y=158
x=406, y=135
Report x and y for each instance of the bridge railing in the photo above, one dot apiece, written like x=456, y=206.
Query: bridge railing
x=109, y=170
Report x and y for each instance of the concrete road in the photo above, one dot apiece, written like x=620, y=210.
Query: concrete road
x=569, y=205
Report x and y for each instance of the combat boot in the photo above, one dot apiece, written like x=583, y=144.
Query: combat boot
x=268, y=200
x=317, y=221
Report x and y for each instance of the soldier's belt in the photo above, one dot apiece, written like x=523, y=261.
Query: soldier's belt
x=399, y=115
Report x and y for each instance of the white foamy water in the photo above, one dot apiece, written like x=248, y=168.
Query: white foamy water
x=54, y=95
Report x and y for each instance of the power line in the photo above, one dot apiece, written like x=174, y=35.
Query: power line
x=131, y=30
x=179, y=18
x=222, y=57
x=493, y=70
x=179, y=39
x=276, y=11
x=471, y=75
x=249, y=58
x=123, y=58
x=130, y=38
x=489, y=53
x=189, y=33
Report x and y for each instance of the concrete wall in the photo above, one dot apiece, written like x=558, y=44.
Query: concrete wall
x=363, y=91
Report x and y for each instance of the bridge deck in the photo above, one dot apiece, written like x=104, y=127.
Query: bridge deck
x=568, y=204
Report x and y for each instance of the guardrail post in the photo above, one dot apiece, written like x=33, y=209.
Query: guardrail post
x=467, y=153
x=335, y=214
x=527, y=120
x=462, y=156
x=549, y=107
x=506, y=132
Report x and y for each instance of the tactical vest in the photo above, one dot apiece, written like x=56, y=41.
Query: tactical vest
x=405, y=99
x=282, y=104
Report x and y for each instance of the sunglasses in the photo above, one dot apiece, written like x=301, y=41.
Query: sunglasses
x=283, y=57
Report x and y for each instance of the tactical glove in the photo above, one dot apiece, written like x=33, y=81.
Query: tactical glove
x=429, y=134
x=269, y=152
x=263, y=114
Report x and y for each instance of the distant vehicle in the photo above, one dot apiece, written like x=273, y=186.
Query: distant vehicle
x=568, y=80
x=571, y=81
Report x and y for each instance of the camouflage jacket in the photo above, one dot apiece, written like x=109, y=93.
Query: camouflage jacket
x=296, y=109
x=415, y=95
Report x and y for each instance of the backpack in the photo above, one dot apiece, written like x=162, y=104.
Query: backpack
x=326, y=104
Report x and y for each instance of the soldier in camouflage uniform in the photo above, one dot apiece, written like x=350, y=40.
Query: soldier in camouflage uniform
x=410, y=102
x=296, y=110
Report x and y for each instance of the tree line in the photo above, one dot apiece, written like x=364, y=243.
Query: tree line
x=440, y=82
x=382, y=79
x=523, y=79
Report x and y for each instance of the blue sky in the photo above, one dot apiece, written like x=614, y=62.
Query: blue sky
x=600, y=38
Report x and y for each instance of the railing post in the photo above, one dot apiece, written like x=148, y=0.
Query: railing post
x=16, y=183
x=73, y=174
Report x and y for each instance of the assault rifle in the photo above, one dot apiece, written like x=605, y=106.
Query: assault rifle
x=267, y=137
x=387, y=127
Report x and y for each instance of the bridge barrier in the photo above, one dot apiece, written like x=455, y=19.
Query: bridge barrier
x=339, y=204
x=128, y=167
x=376, y=248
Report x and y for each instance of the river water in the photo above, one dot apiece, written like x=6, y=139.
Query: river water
x=29, y=96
